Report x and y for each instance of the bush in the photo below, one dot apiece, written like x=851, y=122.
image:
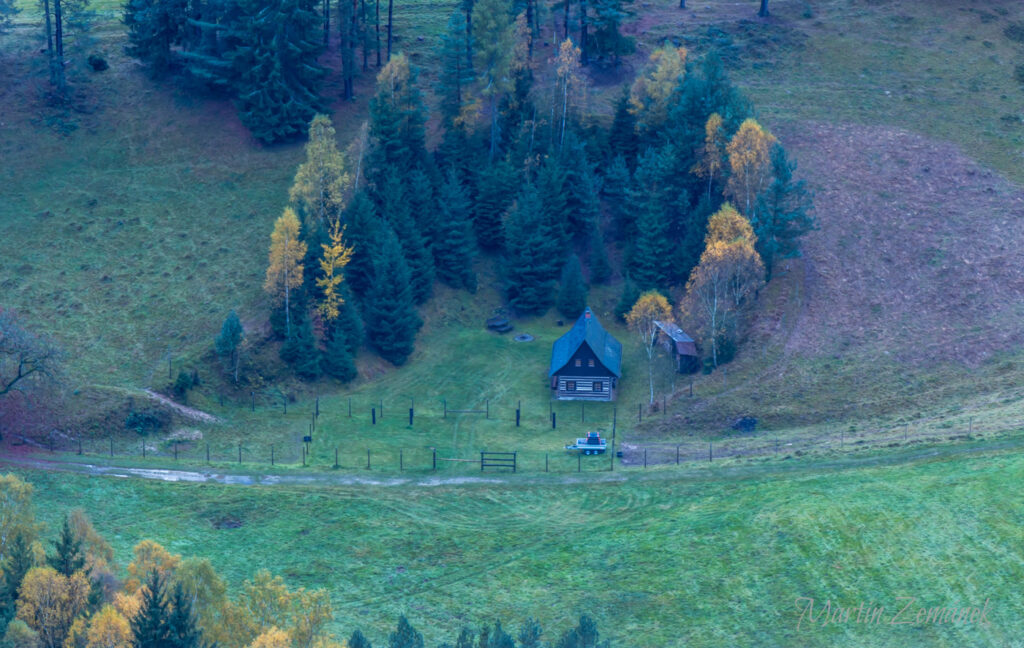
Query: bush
x=145, y=422
x=182, y=385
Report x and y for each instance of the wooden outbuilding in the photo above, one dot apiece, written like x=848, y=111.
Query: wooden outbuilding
x=586, y=362
x=679, y=344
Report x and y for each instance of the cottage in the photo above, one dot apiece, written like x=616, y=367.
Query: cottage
x=586, y=362
x=679, y=344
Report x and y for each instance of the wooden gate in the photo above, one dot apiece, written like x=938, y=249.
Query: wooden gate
x=498, y=460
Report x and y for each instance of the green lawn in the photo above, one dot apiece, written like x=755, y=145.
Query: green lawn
x=710, y=558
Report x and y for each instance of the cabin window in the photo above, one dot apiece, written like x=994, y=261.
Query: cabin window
x=590, y=363
x=579, y=363
x=598, y=386
x=570, y=385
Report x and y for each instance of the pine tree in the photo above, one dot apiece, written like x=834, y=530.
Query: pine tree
x=630, y=293
x=783, y=214
x=348, y=323
x=495, y=189
x=622, y=140
x=607, y=18
x=390, y=312
x=405, y=636
x=423, y=202
x=495, y=39
x=530, y=634
x=69, y=557
x=572, y=290
x=499, y=638
x=600, y=266
x=454, y=247
x=357, y=640
x=584, y=197
x=395, y=210
x=650, y=260
x=529, y=251
x=181, y=621
x=150, y=628
x=7, y=12
x=277, y=89
x=18, y=561
x=554, y=196
x=230, y=338
x=362, y=229
x=397, y=118
x=337, y=357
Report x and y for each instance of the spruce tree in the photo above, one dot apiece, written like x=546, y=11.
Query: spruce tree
x=395, y=210
x=68, y=557
x=495, y=189
x=357, y=640
x=397, y=118
x=423, y=202
x=622, y=140
x=554, y=197
x=300, y=350
x=650, y=260
x=390, y=311
x=572, y=290
x=405, y=636
x=150, y=627
x=277, y=89
x=456, y=76
x=454, y=247
x=18, y=561
x=182, y=626
x=337, y=358
x=348, y=322
x=630, y=293
x=783, y=214
x=584, y=199
x=362, y=232
x=615, y=190
x=529, y=251
x=153, y=27
x=600, y=266
x=530, y=634
x=499, y=638
x=230, y=338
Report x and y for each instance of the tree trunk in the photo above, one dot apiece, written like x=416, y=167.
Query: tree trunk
x=763, y=12
x=494, y=127
x=530, y=27
x=58, y=62
x=362, y=18
x=327, y=21
x=469, y=35
x=583, y=32
x=377, y=29
x=682, y=4
x=650, y=371
x=390, y=7
x=566, y=19
x=235, y=354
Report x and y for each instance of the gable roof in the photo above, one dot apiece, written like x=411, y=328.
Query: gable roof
x=587, y=329
x=673, y=331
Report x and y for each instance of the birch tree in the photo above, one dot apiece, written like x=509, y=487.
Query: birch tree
x=651, y=306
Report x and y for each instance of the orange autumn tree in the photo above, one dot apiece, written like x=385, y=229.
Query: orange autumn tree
x=729, y=271
x=284, y=270
x=651, y=306
x=571, y=84
x=49, y=602
x=109, y=629
x=713, y=151
x=750, y=165
x=336, y=256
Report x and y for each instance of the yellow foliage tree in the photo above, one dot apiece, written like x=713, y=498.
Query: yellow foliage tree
x=128, y=605
x=312, y=614
x=336, y=256
x=284, y=270
x=207, y=593
x=651, y=94
x=267, y=600
x=149, y=556
x=78, y=635
x=109, y=629
x=16, y=515
x=730, y=269
x=713, y=152
x=272, y=638
x=650, y=307
x=48, y=602
x=322, y=181
x=750, y=165
x=99, y=555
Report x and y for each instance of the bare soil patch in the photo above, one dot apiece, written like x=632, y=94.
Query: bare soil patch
x=919, y=248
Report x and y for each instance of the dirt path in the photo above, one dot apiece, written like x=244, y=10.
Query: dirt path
x=187, y=412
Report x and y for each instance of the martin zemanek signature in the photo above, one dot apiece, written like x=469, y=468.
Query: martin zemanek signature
x=906, y=611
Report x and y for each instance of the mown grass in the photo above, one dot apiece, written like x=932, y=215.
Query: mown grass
x=714, y=560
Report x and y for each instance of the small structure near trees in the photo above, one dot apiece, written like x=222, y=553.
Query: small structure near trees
x=586, y=362
x=682, y=347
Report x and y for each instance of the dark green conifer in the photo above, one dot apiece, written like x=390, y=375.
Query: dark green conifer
x=783, y=215
x=19, y=560
x=529, y=251
x=405, y=636
x=362, y=232
x=357, y=640
x=150, y=627
x=68, y=557
x=277, y=87
x=650, y=260
x=600, y=266
x=397, y=118
x=630, y=293
x=615, y=190
x=454, y=246
x=395, y=210
x=554, y=197
x=153, y=27
x=622, y=139
x=572, y=290
x=229, y=340
x=390, y=312
x=456, y=76
x=348, y=322
x=300, y=350
x=182, y=626
x=530, y=634
x=495, y=190
x=337, y=358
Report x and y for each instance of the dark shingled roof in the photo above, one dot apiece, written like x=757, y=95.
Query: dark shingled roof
x=587, y=329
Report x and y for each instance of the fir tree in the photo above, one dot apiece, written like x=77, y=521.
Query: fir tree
x=337, y=357
x=495, y=189
x=622, y=140
x=650, y=260
x=783, y=214
x=499, y=638
x=17, y=563
x=300, y=350
x=465, y=639
x=600, y=266
x=230, y=338
x=277, y=88
x=357, y=640
x=454, y=248
x=390, y=312
x=395, y=210
x=530, y=634
x=69, y=557
x=423, y=202
x=528, y=255
x=348, y=323
x=584, y=198
x=607, y=18
x=397, y=117
x=572, y=290
x=456, y=77
x=150, y=627
x=182, y=625
x=553, y=190
x=630, y=293
x=405, y=636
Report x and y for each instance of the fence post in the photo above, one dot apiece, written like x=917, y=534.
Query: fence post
x=517, y=417
x=303, y=455
x=335, y=456
x=401, y=461
x=239, y=453
x=434, y=467
x=710, y=455
x=367, y=458
x=639, y=413
x=677, y=454
x=545, y=462
x=645, y=457
x=554, y=420
x=382, y=408
x=79, y=446
x=373, y=415
x=481, y=461
x=271, y=454
x=410, y=417
x=611, y=462
x=252, y=394
x=579, y=462
x=143, y=442
x=284, y=402
x=515, y=456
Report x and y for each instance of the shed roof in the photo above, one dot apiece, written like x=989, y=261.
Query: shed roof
x=673, y=331
x=587, y=329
